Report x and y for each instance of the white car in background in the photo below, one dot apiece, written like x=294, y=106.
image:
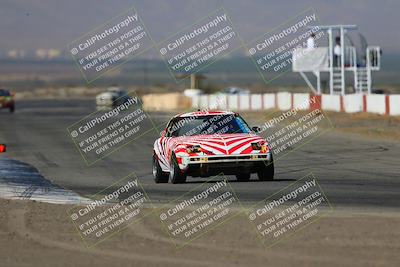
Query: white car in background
x=114, y=96
x=193, y=92
x=234, y=91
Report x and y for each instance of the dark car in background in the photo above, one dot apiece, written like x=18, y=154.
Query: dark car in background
x=7, y=100
x=114, y=96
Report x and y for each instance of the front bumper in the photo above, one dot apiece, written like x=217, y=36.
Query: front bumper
x=228, y=164
x=226, y=158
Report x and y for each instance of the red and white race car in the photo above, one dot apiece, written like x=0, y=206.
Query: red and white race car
x=202, y=144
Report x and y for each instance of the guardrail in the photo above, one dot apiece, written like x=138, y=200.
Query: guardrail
x=373, y=103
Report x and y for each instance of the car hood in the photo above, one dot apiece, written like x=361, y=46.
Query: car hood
x=106, y=96
x=219, y=144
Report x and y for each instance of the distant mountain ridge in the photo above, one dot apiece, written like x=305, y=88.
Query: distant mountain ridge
x=33, y=24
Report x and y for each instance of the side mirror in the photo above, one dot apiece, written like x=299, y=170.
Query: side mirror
x=256, y=129
x=3, y=148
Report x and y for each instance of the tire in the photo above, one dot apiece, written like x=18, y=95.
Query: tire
x=266, y=171
x=12, y=109
x=175, y=174
x=243, y=177
x=158, y=174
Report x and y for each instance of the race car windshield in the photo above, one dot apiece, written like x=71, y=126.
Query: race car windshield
x=221, y=124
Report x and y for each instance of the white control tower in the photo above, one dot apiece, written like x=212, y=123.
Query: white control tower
x=323, y=59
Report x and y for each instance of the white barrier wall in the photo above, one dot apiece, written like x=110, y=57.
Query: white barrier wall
x=203, y=102
x=269, y=101
x=256, y=102
x=284, y=100
x=330, y=102
x=195, y=101
x=394, y=104
x=376, y=104
x=244, y=102
x=233, y=102
x=380, y=104
x=223, y=102
x=301, y=101
x=213, y=102
x=353, y=103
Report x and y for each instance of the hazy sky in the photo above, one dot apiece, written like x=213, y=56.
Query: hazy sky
x=30, y=24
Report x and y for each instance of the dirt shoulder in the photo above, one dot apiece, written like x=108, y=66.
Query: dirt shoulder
x=40, y=234
x=369, y=125
x=364, y=124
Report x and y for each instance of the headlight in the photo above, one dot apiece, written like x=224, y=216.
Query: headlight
x=262, y=147
x=193, y=149
x=185, y=161
x=256, y=146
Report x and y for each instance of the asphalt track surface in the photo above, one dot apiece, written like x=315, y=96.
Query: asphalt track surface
x=354, y=172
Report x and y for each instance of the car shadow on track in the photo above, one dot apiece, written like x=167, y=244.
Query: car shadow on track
x=242, y=182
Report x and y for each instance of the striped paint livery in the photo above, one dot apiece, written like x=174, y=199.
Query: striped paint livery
x=211, y=145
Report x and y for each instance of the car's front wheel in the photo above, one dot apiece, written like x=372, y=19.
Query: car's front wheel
x=266, y=171
x=175, y=173
x=158, y=174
